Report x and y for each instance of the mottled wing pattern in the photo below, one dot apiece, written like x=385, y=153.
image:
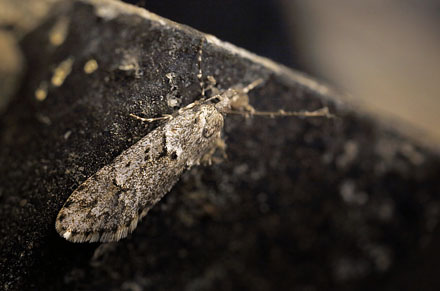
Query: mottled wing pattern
x=109, y=204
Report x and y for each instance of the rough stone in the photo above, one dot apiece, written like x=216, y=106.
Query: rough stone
x=344, y=203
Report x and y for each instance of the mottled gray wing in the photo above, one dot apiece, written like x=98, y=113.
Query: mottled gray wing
x=109, y=204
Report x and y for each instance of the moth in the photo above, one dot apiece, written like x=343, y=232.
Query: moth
x=110, y=203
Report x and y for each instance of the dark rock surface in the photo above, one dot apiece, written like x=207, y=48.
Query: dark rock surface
x=299, y=204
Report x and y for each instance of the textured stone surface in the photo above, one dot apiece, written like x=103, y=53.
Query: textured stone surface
x=298, y=204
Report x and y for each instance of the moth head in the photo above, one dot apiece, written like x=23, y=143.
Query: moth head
x=224, y=100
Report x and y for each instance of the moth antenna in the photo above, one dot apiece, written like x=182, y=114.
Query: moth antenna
x=252, y=86
x=199, y=65
x=322, y=112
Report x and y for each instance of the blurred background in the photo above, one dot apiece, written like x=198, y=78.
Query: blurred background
x=384, y=54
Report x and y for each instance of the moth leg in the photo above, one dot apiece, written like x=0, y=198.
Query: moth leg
x=209, y=158
x=164, y=117
x=211, y=82
x=240, y=105
x=240, y=100
x=211, y=86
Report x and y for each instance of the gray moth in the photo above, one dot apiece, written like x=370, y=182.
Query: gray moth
x=110, y=203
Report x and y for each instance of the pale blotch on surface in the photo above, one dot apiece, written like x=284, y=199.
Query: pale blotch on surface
x=90, y=66
x=61, y=72
x=41, y=92
x=58, y=33
x=173, y=102
x=130, y=64
x=67, y=134
x=172, y=97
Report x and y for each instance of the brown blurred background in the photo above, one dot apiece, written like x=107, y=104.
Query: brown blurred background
x=385, y=54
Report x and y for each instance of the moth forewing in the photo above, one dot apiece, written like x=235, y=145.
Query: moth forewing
x=109, y=204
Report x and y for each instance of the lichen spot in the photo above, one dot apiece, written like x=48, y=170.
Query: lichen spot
x=90, y=66
x=58, y=33
x=41, y=92
x=61, y=72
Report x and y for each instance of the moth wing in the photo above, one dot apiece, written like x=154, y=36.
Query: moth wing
x=109, y=204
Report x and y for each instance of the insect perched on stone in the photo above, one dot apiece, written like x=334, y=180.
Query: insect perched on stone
x=110, y=203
